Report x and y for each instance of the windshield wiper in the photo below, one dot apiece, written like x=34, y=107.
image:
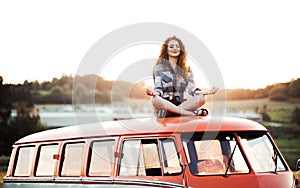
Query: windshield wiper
x=275, y=159
x=229, y=160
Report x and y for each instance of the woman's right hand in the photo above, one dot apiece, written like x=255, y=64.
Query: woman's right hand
x=152, y=93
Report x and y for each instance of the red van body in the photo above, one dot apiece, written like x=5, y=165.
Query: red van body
x=181, y=151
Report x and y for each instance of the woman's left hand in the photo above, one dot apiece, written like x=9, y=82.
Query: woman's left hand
x=213, y=91
x=209, y=92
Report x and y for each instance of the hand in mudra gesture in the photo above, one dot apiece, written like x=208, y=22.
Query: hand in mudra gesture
x=212, y=91
x=151, y=92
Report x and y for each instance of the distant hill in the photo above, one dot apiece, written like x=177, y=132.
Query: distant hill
x=78, y=89
x=92, y=88
x=276, y=92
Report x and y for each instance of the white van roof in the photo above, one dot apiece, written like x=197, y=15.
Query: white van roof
x=145, y=126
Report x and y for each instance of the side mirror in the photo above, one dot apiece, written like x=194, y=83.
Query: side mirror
x=297, y=172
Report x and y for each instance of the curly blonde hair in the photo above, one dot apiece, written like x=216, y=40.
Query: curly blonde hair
x=163, y=56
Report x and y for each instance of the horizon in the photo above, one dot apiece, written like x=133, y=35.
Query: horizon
x=147, y=82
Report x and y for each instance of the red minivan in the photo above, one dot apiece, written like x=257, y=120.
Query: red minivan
x=186, y=151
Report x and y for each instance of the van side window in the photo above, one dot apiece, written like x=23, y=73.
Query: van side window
x=140, y=157
x=24, y=161
x=171, y=163
x=72, y=159
x=46, y=162
x=143, y=158
x=214, y=153
x=101, y=158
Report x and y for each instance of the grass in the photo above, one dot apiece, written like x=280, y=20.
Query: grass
x=282, y=116
x=260, y=104
x=2, y=174
x=290, y=150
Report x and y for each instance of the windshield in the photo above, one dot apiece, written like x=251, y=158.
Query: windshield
x=213, y=154
x=262, y=154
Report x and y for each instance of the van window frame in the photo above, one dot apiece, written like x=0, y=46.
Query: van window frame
x=160, y=154
x=37, y=158
x=89, y=155
x=17, y=159
x=62, y=157
x=272, y=142
x=238, y=145
x=12, y=161
x=164, y=157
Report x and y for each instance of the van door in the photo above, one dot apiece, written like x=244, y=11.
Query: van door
x=150, y=161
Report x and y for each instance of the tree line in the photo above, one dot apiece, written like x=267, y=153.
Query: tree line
x=26, y=121
x=275, y=92
x=92, y=88
x=78, y=89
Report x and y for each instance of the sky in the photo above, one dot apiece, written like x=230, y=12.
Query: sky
x=254, y=43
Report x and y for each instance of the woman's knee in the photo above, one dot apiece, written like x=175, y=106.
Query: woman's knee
x=200, y=99
x=156, y=101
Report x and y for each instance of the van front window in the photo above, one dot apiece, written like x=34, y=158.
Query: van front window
x=262, y=154
x=213, y=154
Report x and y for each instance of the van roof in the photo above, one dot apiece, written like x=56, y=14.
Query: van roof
x=145, y=126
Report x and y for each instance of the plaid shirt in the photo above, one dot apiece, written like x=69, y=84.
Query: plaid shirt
x=164, y=82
